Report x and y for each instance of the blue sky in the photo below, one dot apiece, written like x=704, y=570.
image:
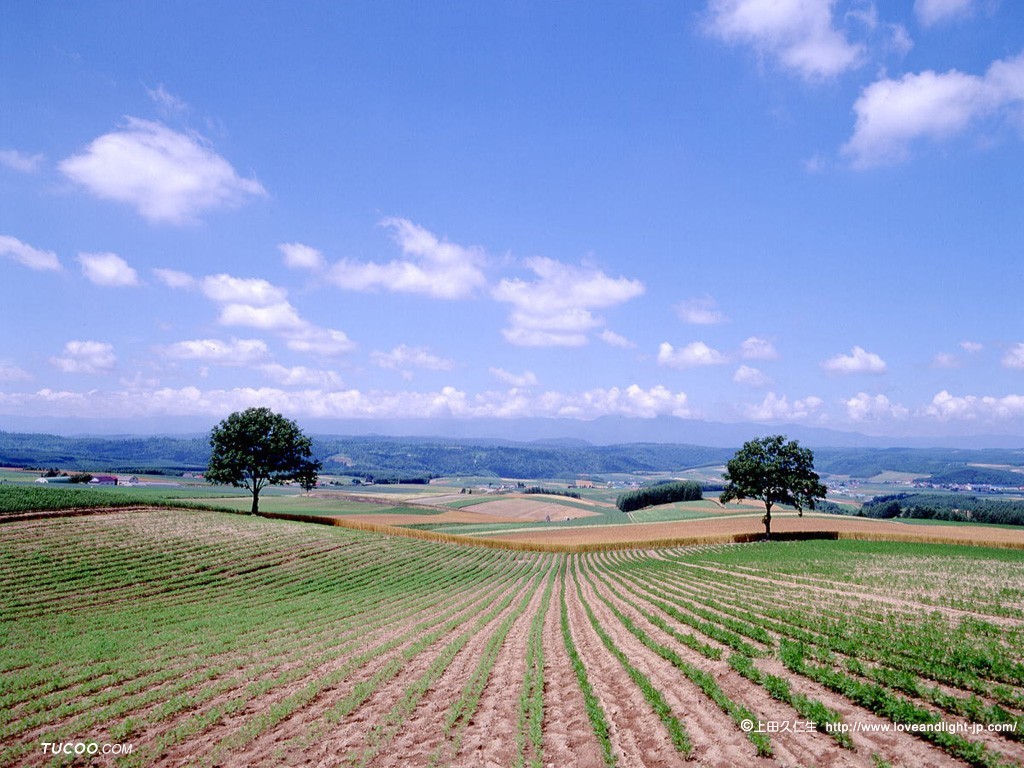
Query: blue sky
x=783, y=212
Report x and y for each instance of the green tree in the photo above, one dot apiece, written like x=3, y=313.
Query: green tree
x=774, y=471
x=255, y=448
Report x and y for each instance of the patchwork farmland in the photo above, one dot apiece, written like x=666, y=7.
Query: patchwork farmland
x=204, y=638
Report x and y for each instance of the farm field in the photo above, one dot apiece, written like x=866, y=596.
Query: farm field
x=204, y=638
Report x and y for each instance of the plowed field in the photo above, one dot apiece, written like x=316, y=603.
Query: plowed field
x=198, y=638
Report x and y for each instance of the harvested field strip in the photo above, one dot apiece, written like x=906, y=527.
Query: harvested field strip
x=214, y=639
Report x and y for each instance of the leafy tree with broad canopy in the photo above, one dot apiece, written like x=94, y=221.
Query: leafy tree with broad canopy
x=255, y=448
x=776, y=472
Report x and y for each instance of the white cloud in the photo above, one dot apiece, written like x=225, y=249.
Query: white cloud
x=945, y=360
x=27, y=256
x=947, y=407
x=892, y=114
x=300, y=376
x=931, y=12
x=272, y=317
x=756, y=348
x=12, y=373
x=404, y=358
x=299, y=256
x=234, y=352
x=776, y=408
x=85, y=357
x=437, y=268
x=1014, y=357
x=971, y=346
x=858, y=361
x=555, y=309
x=320, y=342
x=631, y=401
x=752, y=377
x=167, y=102
x=702, y=311
x=864, y=407
x=19, y=161
x=166, y=176
x=255, y=291
x=172, y=278
x=613, y=339
x=108, y=269
x=693, y=355
x=800, y=34
x=524, y=379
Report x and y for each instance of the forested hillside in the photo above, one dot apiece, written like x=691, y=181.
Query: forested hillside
x=425, y=457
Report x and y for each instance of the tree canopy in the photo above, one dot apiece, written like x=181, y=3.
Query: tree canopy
x=255, y=448
x=774, y=471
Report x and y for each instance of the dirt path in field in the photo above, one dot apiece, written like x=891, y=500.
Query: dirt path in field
x=377, y=734
x=490, y=737
x=795, y=748
x=638, y=737
x=717, y=740
x=307, y=738
x=906, y=745
x=569, y=739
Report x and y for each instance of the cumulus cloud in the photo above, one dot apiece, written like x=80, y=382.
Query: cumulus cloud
x=693, y=355
x=12, y=373
x=864, y=407
x=893, y=114
x=234, y=352
x=756, y=348
x=19, y=161
x=613, y=339
x=931, y=12
x=858, y=361
x=85, y=357
x=168, y=177
x=779, y=408
x=702, y=311
x=27, y=256
x=631, y=401
x=404, y=358
x=172, y=278
x=524, y=379
x=299, y=256
x=108, y=269
x=254, y=291
x=320, y=342
x=272, y=317
x=556, y=309
x=752, y=377
x=947, y=407
x=300, y=376
x=945, y=360
x=1014, y=357
x=433, y=267
x=800, y=34
x=971, y=346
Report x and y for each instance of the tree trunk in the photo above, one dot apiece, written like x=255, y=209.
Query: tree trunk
x=767, y=520
x=255, y=501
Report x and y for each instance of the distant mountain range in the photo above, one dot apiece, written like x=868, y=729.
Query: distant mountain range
x=608, y=430
x=413, y=457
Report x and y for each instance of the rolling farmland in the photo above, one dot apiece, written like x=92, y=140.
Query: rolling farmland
x=203, y=638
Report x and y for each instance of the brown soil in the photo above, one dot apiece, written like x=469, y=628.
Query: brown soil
x=706, y=530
